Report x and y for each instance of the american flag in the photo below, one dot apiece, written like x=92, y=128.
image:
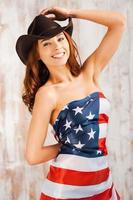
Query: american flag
x=80, y=170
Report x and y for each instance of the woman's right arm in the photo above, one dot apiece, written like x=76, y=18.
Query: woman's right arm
x=35, y=152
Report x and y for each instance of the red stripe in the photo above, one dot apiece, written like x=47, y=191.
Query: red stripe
x=106, y=195
x=102, y=145
x=103, y=118
x=101, y=95
x=78, y=178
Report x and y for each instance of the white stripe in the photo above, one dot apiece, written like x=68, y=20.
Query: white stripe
x=79, y=163
x=104, y=106
x=57, y=190
x=103, y=130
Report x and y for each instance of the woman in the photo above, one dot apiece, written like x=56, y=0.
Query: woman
x=62, y=92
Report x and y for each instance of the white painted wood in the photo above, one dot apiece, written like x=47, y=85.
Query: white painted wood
x=18, y=180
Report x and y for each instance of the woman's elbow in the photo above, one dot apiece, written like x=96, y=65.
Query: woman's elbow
x=30, y=159
x=123, y=20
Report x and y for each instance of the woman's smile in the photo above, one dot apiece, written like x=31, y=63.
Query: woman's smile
x=59, y=55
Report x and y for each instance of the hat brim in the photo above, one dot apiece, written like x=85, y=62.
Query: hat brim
x=25, y=42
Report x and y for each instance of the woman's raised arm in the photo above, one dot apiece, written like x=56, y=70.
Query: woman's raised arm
x=115, y=22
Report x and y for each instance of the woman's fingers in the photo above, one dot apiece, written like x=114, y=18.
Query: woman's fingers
x=47, y=10
x=58, y=12
x=44, y=11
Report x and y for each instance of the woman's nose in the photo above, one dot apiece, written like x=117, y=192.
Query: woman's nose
x=57, y=44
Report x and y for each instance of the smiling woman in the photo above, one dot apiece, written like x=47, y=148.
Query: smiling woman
x=59, y=89
x=44, y=57
x=55, y=51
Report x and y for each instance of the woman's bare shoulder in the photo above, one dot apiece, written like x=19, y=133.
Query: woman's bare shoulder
x=47, y=93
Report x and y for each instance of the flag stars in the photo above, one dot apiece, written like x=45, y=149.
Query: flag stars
x=67, y=124
x=60, y=135
x=90, y=100
x=78, y=110
x=90, y=116
x=79, y=145
x=56, y=120
x=91, y=134
x=73, y=149
x=78, y=129
x=68, y=140
x=65, y=107
x=99, y=152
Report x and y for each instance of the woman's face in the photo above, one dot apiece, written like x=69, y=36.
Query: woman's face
x=54, y=51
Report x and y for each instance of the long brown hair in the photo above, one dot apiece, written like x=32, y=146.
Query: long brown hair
x=37, y=73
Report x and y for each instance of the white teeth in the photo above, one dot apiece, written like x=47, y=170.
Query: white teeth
x=58, y=55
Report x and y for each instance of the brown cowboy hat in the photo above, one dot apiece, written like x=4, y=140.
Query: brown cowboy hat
x=41, y=27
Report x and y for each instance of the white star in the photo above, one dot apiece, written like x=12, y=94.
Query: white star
x=56, y=120
x=79, y=145
x=90, y=116
x=89, y=100
x=78, y=110
x=60, y=135
x=65, y=107
x=91, y=134
x=99, y=151
x=68, y=140
x=67, y=124
x=78, y=129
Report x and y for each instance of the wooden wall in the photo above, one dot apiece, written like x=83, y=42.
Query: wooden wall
x=20, y=181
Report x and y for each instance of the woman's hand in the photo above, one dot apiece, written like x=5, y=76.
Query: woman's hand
x=58, y=13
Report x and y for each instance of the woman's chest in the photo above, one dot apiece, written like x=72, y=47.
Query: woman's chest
x=75, y=91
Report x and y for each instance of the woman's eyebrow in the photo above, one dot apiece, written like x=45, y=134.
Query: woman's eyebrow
x=60, y=34
x=43, y=40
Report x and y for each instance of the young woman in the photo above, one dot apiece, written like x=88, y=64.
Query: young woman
x=59, y=90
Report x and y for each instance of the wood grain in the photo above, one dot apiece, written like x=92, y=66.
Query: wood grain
x=20, y=181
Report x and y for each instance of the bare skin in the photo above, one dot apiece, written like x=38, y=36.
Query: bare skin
x=62, y=87
x=61, y=78
x=81, y=86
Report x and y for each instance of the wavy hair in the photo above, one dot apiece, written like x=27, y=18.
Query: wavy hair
x=37, y=73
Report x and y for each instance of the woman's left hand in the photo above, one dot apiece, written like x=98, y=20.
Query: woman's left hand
x=59, y=13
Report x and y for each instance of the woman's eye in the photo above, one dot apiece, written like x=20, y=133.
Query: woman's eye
x=46, y=44
x=61, y=38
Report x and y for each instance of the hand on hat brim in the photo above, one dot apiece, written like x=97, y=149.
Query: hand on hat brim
x=59, y=13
